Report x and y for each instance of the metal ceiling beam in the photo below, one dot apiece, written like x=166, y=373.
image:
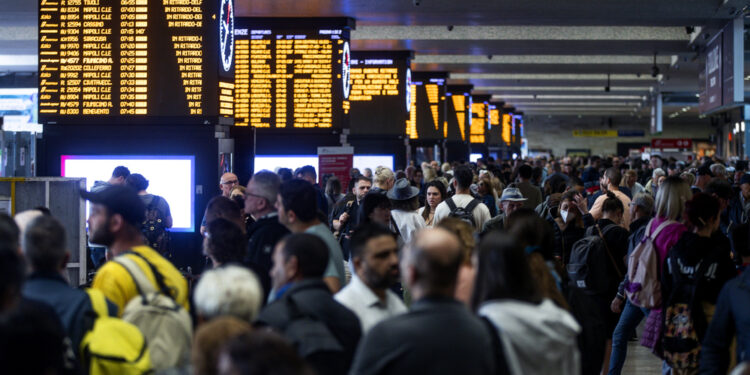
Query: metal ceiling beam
x=554, y=76
x=541, y=59
x=509, y=89
x=603, y=96
x=638, y=33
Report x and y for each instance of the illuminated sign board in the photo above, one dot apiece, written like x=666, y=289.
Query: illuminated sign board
x=380, y=94
x=459, y=112
x=292, y=72
x=507, y=130
x=427, y=114
x=125, y=61
x=480, y=118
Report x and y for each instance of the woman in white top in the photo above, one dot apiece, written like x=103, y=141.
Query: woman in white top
x=405, y=200
x=537, y=336
x=435, y=194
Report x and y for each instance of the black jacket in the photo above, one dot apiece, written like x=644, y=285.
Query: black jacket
x=263, y=236
x=299, y=312
x=731, y=318
x=438, y=336
x=617, y=243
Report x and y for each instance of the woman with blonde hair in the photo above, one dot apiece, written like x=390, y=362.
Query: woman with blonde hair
x=428, y=174
x=383, y=180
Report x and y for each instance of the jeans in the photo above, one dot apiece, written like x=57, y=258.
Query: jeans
x=629, y=319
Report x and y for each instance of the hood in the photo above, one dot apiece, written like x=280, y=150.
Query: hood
x=536, y=331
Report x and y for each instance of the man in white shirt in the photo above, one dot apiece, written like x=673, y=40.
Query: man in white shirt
x=462, y=179
x=610, y=182
x=375, y=259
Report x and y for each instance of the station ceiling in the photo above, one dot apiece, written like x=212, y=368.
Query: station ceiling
x=540, y=56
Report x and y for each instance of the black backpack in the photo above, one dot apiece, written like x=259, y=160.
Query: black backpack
x=684, y=320
x=154, y=228
x=463, y=213
x=587, y=267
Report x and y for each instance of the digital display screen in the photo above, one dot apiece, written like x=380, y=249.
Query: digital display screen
x=18, y=106
x=380, y=94
x=292, y=73
x=459, y=112
x=427, y=115
x=480, y=118
x=474, y=157
x=274, y=162
x=507, y=128
x=124, y=60
x=170, y=177
x=494, y=133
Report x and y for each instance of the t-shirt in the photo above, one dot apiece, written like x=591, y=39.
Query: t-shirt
x=335, y=255
x=118, y=286
x=596, y=210
x=481, y=212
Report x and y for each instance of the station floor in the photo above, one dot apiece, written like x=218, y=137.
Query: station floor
x=640, y=361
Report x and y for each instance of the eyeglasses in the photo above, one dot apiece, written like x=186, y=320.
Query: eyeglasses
x=230, y=182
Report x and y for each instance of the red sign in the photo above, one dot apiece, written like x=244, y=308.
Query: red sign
x=680, y=143
x=337, y=161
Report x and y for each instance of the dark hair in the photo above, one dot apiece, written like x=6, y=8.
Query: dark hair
x=555, y=184
x=9, y=233
x=574, y=181
x=720, y=187
x=121, y=171
x=525, y=171
x=464, y=176
x=311, y=253
x=530, y=230
x=307, y=170
x=285, y=174
x=32, y=341
x=299, y=197
x=359, y=178
x=612, y=204
x=44, y=210
x=700, y=209
x=137, y=182
x=333, y=187
x=44, y=244
x=363, y=234
x=263, y=352
x=369, y=203
x=11, y=276
x=614, y=176
x=226, y=242
x=222, y=207
x=503, y=272
x=407, y=204
x=443, y=196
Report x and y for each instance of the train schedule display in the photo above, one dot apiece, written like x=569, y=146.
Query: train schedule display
x=110, y=61
x=427, y=115
x=292, y=73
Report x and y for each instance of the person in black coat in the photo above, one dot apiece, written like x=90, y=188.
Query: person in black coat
x=439, y=335
x=324, y=332
x=266, y=232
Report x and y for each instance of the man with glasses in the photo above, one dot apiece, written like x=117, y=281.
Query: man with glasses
x=227, y=182
x=266, y=232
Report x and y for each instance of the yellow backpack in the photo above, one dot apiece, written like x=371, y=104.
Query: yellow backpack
x=113, y=346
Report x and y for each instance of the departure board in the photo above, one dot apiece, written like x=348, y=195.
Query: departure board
x=507, y=131
x=459, y=112
x=292, y=73
x=380, y=94
x=480, y=118
x=494, y=133
x=427, y=114
x=105, y=61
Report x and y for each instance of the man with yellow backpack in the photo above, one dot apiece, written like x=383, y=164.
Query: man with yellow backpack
x=148, y=290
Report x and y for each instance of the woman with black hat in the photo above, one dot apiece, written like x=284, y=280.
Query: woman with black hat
x=405, y=200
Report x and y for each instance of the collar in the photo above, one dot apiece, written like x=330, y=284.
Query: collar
x=272, y=214
x=282, y=290
x=54, y=276
x=365, y=294
x=436, y=303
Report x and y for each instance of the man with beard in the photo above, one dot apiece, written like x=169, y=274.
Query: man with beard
x=114, y=221
x=375, y=259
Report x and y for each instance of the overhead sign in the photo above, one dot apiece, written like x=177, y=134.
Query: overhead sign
x=680, y=143
x=594, y=133
x=721, y=80
x=336, y=161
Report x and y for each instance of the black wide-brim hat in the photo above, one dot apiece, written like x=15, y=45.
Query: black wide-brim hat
x=402, y=190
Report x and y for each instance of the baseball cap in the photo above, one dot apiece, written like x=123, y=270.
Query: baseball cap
x=119, y=200
x=745, y=179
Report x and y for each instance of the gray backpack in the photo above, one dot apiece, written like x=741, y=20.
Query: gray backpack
x=164, y=323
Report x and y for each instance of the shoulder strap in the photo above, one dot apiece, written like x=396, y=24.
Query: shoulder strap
x=163, y=288
x=98, y=302
x=606, y=248
x=472, y=205
x=501, y=365
x=140, y=279
x=660, y=227
x=451, y=204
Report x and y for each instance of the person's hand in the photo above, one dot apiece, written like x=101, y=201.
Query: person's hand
x=582, y=204
x=344, y=217
x=617, y=304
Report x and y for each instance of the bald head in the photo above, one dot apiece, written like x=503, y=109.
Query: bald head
x=430, y=263
x=227, y=183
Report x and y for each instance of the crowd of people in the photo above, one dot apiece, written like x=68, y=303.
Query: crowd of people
x=525, y=267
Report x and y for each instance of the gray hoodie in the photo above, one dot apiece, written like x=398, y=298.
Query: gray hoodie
x=537, y=339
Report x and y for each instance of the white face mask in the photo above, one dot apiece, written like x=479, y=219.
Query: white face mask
x=564, y=215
